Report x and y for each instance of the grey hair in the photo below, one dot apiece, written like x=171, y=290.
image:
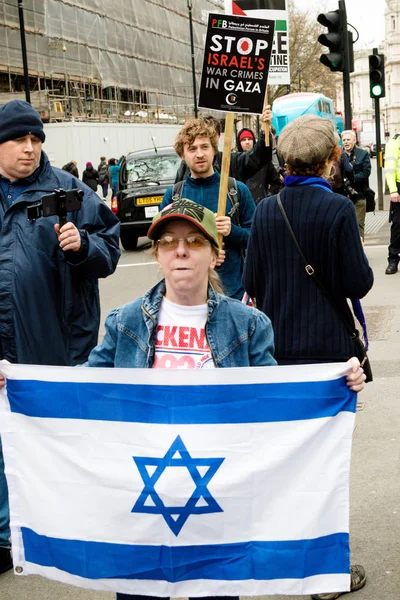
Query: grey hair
x=349, y=131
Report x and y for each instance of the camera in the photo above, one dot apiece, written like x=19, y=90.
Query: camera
x=57, y=204
x=349, y=191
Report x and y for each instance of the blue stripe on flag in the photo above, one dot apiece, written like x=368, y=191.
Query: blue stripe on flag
x=247, y=403
x=230, y=562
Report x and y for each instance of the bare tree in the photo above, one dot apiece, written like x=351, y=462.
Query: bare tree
x=307, y=73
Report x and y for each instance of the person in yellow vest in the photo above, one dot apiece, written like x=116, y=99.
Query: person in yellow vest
x=392, y=168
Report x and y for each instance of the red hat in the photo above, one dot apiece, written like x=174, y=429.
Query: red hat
x=245, y=133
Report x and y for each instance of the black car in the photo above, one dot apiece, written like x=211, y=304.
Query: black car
x=144, y=178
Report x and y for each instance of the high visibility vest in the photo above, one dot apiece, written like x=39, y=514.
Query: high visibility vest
x=392, y=164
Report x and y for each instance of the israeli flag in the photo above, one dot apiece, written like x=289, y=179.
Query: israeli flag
x=180, y=483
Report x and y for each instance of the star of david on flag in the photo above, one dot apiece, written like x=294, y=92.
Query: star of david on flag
x=177, y=456
x=230, y=482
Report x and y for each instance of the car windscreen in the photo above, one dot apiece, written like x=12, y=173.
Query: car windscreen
x=153, y=169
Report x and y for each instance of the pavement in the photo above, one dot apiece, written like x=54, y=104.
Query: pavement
x=375, y=475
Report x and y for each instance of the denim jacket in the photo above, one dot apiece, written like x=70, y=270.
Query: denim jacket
x=238, y=336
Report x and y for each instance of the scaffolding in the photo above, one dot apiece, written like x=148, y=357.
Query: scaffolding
x=109, y=60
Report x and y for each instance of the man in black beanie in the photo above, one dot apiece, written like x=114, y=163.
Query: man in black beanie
x=49, y=298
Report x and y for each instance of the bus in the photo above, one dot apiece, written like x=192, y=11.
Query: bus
x=289, y=107
x=339, y=123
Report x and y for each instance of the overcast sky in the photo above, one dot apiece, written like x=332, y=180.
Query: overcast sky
x=367, y=16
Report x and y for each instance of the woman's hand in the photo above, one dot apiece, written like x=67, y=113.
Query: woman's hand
x=2, y=381
x=357, y=377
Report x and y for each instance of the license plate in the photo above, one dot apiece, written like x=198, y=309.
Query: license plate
x=150, y=211
x=149, y=200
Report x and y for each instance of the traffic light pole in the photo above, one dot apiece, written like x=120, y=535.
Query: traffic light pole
x=378, y=152
x=347, y=99
x=346, y=70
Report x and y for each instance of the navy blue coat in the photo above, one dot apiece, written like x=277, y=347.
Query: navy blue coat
x=49, y=300
x=306, y=326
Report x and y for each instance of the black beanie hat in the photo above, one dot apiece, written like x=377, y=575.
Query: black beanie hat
x=17, y=119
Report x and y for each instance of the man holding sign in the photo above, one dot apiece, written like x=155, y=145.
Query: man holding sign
x=243, y=165
x=197, y=144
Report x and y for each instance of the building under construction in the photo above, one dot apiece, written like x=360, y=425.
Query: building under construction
x=109, y=60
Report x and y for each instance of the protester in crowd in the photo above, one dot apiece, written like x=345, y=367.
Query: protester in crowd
x=90, y=176
x=392, y=168
x=114, y=167
x=277, y=160
x=307, y=327
x=185, y=245
x=103, y=164
x=245, y=140
x=50, y=309
x=103, y=176
x=71, y=167
x=197, y=144
x=266, y=181
x=355, y=168
x=243, y=165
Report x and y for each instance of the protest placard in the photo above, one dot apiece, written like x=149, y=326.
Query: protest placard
x=235, y=66
x=279, y=71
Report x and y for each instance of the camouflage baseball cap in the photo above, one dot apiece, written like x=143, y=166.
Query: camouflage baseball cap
x=200, y=216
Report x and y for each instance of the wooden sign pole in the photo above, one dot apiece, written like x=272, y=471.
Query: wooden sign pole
x=266, y=124
x=226, y=162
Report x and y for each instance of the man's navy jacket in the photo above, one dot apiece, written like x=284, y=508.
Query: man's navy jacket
x=49, y=300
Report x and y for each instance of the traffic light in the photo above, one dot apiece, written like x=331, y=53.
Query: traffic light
x=376, y=75
x=336, y=23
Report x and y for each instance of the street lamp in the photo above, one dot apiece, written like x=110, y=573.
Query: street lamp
x=68, y=111
x=89, y=104
x=190, y=6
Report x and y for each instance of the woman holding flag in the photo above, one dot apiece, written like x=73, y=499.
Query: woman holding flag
x=185, y=321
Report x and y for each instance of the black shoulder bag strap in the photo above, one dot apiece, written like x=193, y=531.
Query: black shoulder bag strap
x=234, y=200
x=177, y=191
x=353, y=332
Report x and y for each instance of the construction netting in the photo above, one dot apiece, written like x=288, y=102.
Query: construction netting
x=135, y=44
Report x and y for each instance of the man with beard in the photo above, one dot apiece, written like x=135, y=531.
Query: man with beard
x=197, y=144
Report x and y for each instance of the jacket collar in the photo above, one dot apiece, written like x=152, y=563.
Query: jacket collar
x=205, y=181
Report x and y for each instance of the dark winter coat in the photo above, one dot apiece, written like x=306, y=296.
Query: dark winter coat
x=243, y=164
x=103, y=166
x=50, y=309
x=103, y=172
x=356, y=168
x=266, y=181
x=71, y=168
x=307, y=328
x=91, y=177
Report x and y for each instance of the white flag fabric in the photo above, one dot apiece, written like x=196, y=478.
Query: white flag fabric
x=180, y=483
